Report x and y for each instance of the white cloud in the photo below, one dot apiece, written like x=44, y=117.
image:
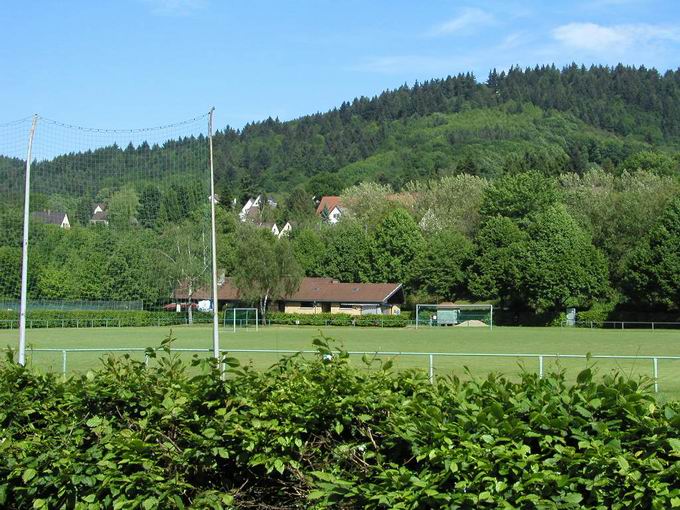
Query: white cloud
x=600, y=38
x=467, y=19
x=175, y=7
x=513, y=40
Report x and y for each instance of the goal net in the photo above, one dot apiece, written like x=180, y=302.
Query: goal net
x=115, y=215
x=451, y=314
x=240, y=318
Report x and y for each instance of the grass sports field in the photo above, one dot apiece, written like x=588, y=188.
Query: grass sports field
x=443, y=340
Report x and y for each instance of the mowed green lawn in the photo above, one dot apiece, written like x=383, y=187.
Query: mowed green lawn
x=513, y=340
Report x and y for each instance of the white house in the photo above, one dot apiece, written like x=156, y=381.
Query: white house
x=251, y=209
x=100, y=215
x=330, y=209
x=285, y=230
x=276, y=231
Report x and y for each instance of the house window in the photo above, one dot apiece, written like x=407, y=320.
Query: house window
x=307, y=304
x=346, y=306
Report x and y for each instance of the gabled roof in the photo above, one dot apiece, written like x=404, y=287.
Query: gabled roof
x=330, y=202
x=320, y=290
x=49, y=217
x=100, y=216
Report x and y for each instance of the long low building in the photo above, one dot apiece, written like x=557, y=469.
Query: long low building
x=317, y=295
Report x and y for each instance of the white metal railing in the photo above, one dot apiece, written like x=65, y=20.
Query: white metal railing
x=622, y=324
x=104, y=322
x=429, y=356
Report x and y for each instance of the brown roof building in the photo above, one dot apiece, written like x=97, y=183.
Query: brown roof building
x=317, y=295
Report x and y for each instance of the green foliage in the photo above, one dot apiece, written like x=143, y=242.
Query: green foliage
x=517, y=196
x=397, y=243
x=655, y=162
x=318, y=433
x=367, y=203
x=596, y=315
x=439, y=268
x=309, y=250
x=545, y=266
x=123, y=206
x=562, y=267
x=338, y=319
x=97, y=319
x=348, y=255
x=653, y=269
x=450, y=203
x=618, y=211
x=497, y=268
x=267, y=269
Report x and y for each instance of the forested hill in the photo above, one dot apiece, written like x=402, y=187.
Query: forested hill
x=542, y=118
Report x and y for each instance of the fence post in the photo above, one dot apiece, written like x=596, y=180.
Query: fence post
x=652, y=326
x=63, y=363
x=146, y=359
x=540, y=367
x=431, y=369
x=656, y=375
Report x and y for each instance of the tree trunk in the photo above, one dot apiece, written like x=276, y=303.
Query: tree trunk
x=190, y=309
x=263, y=309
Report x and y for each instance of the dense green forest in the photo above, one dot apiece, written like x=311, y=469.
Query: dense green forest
x=537, y=189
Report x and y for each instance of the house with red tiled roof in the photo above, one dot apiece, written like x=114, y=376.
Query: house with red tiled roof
x=317, y=295
x=330, y=209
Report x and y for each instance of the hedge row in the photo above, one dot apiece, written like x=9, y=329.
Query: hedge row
x=320, y=433
x=338, y=319
x=95, y=318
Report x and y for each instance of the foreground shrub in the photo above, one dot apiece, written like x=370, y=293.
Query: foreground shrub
x=322, y=434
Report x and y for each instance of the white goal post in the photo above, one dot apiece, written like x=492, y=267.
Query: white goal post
x=242, y=317
x=450, y=314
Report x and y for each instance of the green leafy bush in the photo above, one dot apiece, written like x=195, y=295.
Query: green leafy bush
x=94, y=319
x=596, y=315
x=319, y=433
x=338, y=319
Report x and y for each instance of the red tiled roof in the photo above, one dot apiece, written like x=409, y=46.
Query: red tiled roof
x=314, y=289
x=330, y=202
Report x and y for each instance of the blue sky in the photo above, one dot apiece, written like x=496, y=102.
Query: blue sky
x=138, y=63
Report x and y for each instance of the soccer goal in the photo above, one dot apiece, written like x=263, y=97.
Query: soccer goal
x=450, y=314
x=241, y=318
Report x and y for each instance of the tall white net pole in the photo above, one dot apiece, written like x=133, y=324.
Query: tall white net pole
x=216, y=331
x=24, y=246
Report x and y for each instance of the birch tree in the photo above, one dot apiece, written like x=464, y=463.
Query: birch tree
x=186, y=251
x=267, y=268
